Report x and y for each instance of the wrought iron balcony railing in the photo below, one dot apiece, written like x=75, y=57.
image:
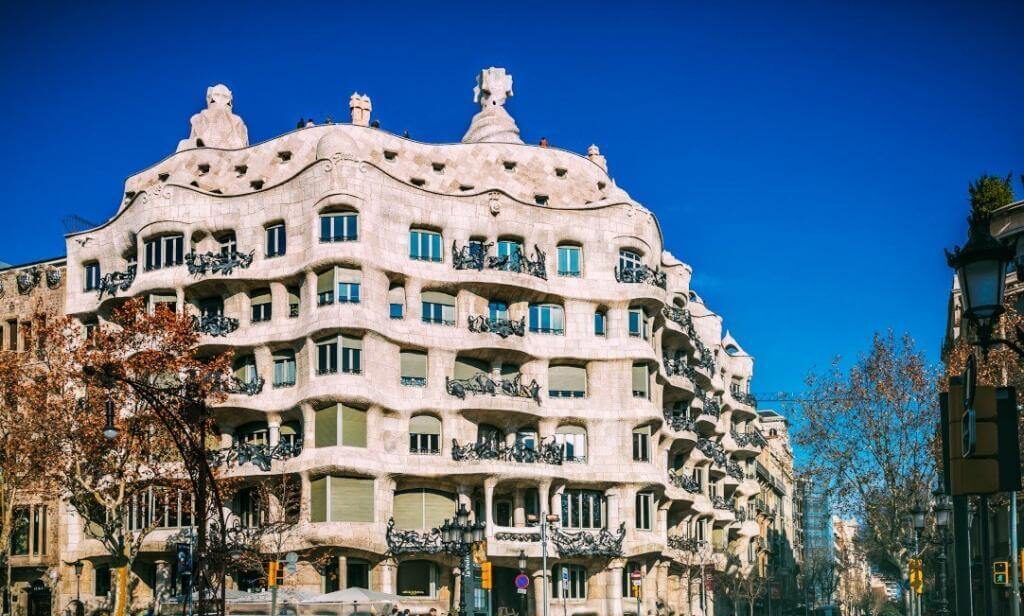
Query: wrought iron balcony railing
x=469, y=258
x=710, y=406
x=684, y=481
x=712, y=450
x=686, y=544
x=679, y=423
x=481, y=384
x=639, y=274
x=680, y=316
x=723, y=505
x=412, y=542
x=548, y=452
x=734, y=470
x=250, y=388
x=502, y=327
x=284, y=383
x=224, y=263
x=414, y=381
x=113, y=282
x=749, y=439
x=216, y=325
x=527, y=537
x=589, y=543
x=261, y=455
x=743, y=397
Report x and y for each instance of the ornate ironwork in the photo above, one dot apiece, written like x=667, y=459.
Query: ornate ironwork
x=216, y=325
x=734, y=470
x=546, y=452
x=480, y=383
x=503, y=327
x=412, y=542
x=749, y=439
x=712, y=450
x=743, y=397
x=741, y=515
x=113, y=282
x=414, y=381
x=467, y=258
x=679, y=315
x=684, y=481
x=521, y=537
x=224, y=263
x=678, y=423
x=259, y=454
x=641, y=273
x=686, y=544
x=711, y=406
x=250, y=388
x=723, y=505
x=587, y=543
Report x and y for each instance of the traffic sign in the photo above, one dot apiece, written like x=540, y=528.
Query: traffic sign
x=1001, y=573
x=635, y=575
x=522, y=581
x=485, y=575
x=565, y=574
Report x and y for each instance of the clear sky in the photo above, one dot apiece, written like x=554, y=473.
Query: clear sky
x=808, y=159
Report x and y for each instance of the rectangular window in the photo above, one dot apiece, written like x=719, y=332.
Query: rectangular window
x=547, y=319
x=413, y=368
x=277, y=243
x=644, y=510
x=637, y=323
x=325, y=288
x=424, y=245
x=12, y=335
x=438, y=308
x=600, y=323
x=327, y=356
x=577, y=582
x=511, y=249
x=640, y=381
x=569, y=261
x=261, y=306
x=339, y=227
x=164, y=251
x=339, y=424
x=228, y=244
x=582, y=509
x=642, y=444
x=101, y=587
x=284, y=369
x=341, y=499
x=92, y=276
x=293, y=302
x=348, y=292
x=497, y=311
x=395, y=311
x=351, y=354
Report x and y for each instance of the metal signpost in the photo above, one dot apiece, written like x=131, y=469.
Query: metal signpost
x=634, y=579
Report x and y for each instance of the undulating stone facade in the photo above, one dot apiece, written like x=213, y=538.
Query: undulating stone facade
x=422, y=326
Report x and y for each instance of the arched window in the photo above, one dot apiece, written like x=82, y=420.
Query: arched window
x=642, y=444
x=396, y=301
x=638, y=323
x=255, y=433
x=567, y=381
x=573, y=440
x=245, y=368
x=547, y=319
x=425, y=435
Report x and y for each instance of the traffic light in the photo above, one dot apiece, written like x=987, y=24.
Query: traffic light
x=981, y=454
x=915, y=575
x=485, y=575
x=1001, y=573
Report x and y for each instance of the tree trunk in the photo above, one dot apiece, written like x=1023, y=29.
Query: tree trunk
x=750, y=607
x=121, y=591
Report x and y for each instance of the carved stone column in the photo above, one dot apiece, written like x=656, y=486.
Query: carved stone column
x=387, y=570
x=539, y=596
x=489, y=484
x=613, y=586
x=518, y=508
x=274, y=428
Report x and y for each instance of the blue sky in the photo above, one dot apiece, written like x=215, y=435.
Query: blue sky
x=810, y=160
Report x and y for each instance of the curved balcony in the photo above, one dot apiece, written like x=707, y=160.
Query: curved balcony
x=214, y=325
x=584, y=543
x=708, y=413
x=685, y=482
x=724, y=510
x=481, y=384
x=501, y=327
x=251, y=387
x=113, y=283
x=548, y=452
x=468, y=258
x=748, y=444
x=641, y=274
x=223, y=263
x=713, y=452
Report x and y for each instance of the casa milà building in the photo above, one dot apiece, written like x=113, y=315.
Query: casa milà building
x=422, y=326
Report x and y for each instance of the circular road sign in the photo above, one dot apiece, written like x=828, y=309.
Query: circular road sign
x=635, y=575
x=522, y=581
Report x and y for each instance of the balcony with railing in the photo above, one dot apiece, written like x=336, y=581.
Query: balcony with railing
x=678, y=422
x=223, y=263
x=502, y=327
x=260, y=455
x=712, y=451
x=686, y=544
x=114, y=282
x=482, y=384
x=475, y=256
x=684, y=481
x=589, y=543
x=547, y=452
x=748, y=442
x=413, y=381
x=216, y=325
x=249, y=387
x=640, y=274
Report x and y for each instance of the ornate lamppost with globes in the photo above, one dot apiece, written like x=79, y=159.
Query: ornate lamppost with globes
x=942, y=508
x=458, y=536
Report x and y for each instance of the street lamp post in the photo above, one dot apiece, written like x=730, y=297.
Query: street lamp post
x=545, y=521
x=981, y=270
x=522, y=571
x=458, y=536
x=942, y=510
x=917, y=519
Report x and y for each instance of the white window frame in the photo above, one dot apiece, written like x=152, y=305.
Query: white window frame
x=644, y=514
x=423, y=246
x=348, y=223
x=276, y=240
x=568, y=271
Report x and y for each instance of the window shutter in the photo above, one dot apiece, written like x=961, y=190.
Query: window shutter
x=438, y=297
x=347, y=274
x=396, y=295
x=642, y=430
x=351, y=499
x=437, y=507
x=567, y=378
x=640, y=378
x=289, y=428
x=318, y=499
x=325, y=281
x=425, y=424
x=351, y=342
x=467, y=367
x=353, y=427
x=408, y=509
x=326, y=422
x=293, y=295
x=414, y=364
x=261, y=297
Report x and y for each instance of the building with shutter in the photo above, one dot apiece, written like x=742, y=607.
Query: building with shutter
x=485, y=323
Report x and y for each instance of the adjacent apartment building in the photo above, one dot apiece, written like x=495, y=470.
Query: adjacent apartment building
x=484, y=324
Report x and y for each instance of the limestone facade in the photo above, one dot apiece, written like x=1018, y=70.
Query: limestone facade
x=488, y=324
